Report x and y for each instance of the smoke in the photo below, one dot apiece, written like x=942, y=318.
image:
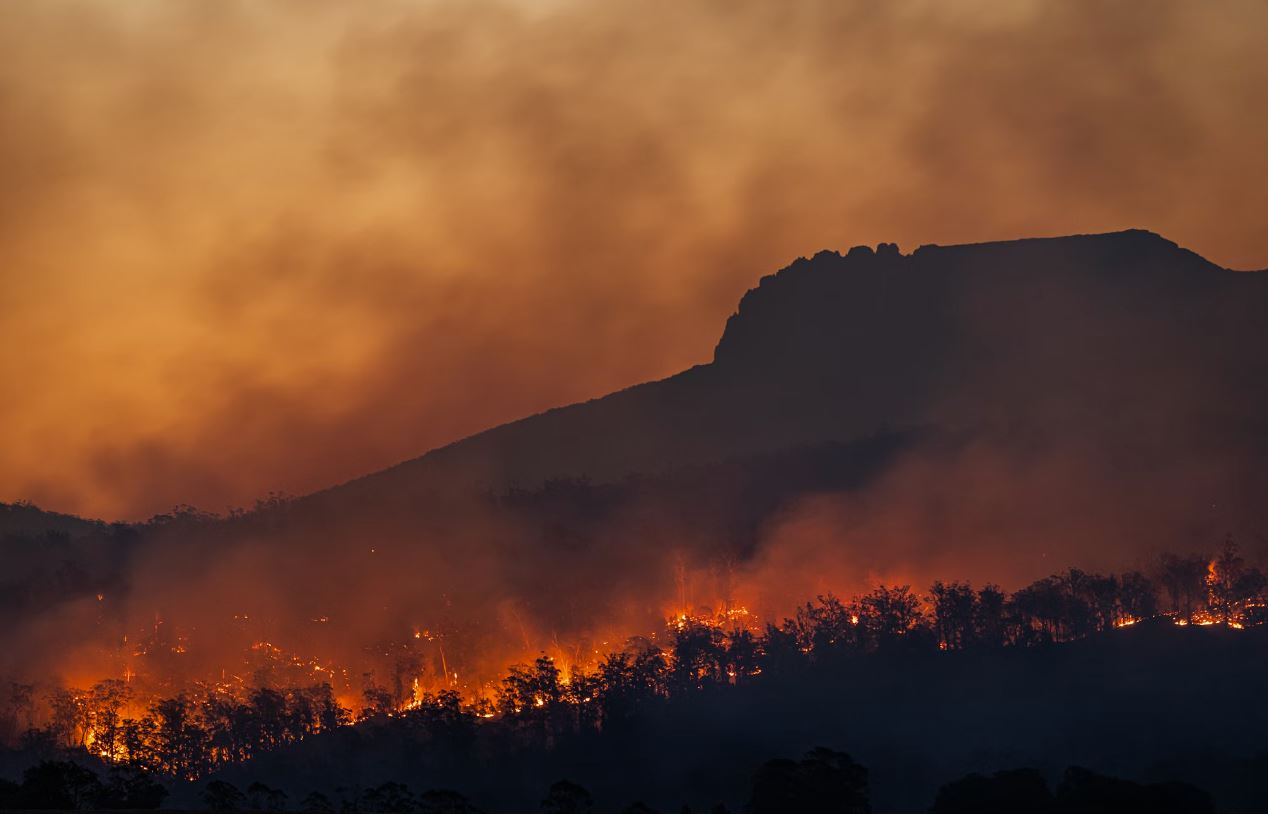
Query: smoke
x=249, y=248
x=245, y=248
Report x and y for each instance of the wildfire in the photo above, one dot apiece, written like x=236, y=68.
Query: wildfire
x=438, y=667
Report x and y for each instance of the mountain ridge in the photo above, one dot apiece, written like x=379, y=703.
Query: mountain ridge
x=876, y=314
x=820, y=330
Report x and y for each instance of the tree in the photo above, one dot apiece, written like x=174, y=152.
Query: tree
x=316, y=803
x=626, y=682
x=1232, y=585
x=378, y=703
x=580, y=694
x=823, y=781
x=566, y=797
x=137, y=737
x=1077, y=613
x=105, y=713
x=784, y=655
x=59, y=784
x=128, y=787
x=743, y=657
x=1137, y=597
x=387, y=798
x=442, y=717
x=890, y=613
x=827, y=626
x=698, y=655
x=528, y=688
x=1037, y=612
x=266, y=798
x=534, y=696
x=1101, y=596
x=180, y=742
x=445, y=801
x=1008, y=792
x=954, y=614
x=230, y=728
x=70, y=721
x=222, y=796
x=1184, y=579
x=269, y=719
x=988, y=617
x=19, y=712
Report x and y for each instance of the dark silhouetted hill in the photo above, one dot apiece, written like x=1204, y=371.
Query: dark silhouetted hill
x=1122, y=335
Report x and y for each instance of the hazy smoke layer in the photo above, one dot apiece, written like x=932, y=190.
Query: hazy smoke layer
x=250, y=246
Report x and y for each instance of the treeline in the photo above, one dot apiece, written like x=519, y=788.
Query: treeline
x=186, y=736
x=68, y=786
x=207, y=729
x=824, y=781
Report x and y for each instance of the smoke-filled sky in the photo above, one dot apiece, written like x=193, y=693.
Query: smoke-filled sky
x=274, y=245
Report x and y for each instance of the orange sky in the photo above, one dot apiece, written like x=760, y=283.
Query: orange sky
x=274, y=245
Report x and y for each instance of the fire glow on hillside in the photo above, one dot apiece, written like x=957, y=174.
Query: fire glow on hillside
x=150, y=712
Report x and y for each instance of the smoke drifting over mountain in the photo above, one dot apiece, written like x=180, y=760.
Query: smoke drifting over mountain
x=994, y=412
x=248, y=247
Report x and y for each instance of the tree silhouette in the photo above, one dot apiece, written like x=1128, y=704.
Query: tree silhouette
x=105, y=705
x=1007, y=792
x=387, y=798
x=1138, y=598
x=627, y=682
x=954, y=614
x=127, y=787
x=1184, y=579
x=823, y=781
x=889, y=613
x=1232, y=584
x=566, y=797
x=444, y=801
x=59, y=784
x=699, y=651
x=180, y=742
x=988, y=617
x=316, y=803
x=221, y=796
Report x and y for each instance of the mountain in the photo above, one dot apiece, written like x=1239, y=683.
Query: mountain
x=992, y=412
x=1121, y=337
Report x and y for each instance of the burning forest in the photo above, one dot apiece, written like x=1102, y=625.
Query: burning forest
x=417, y=623
x=151, y=712
x=459, y=406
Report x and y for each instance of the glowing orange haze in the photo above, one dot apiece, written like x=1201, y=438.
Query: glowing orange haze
x=247, y=247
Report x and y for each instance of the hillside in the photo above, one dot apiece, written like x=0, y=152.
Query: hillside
x=1120, y=335
x=988, y=412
